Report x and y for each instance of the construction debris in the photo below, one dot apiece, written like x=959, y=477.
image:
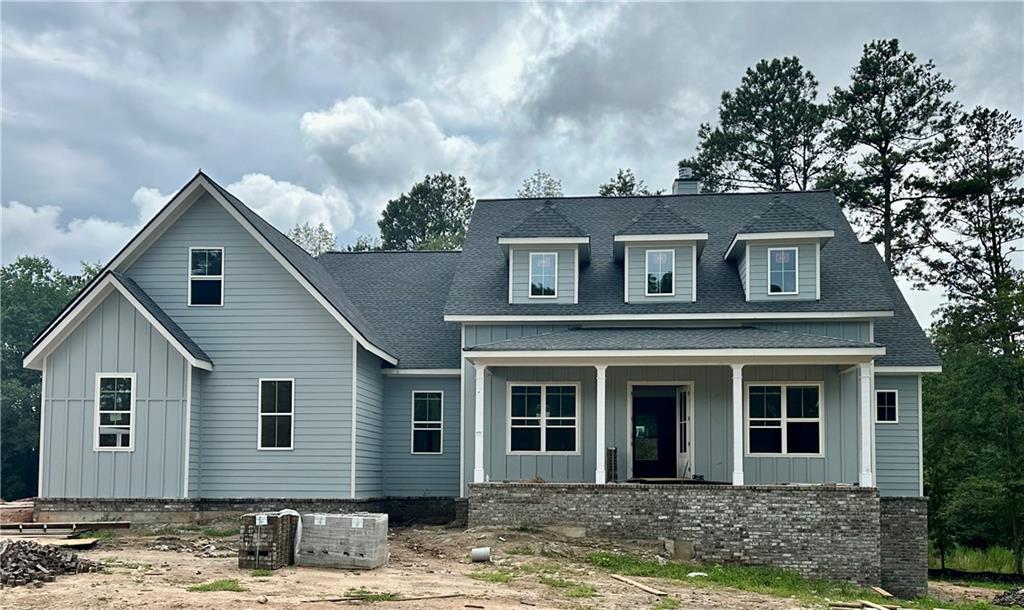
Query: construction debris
x=23, y=562
x=641, y=586
x=881, y=591
x=1013, y=597
x=197, y=548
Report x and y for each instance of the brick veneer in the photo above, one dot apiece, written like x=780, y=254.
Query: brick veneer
x=827, y=532
x=904, y=548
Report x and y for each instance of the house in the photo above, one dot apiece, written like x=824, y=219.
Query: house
x=745, y=339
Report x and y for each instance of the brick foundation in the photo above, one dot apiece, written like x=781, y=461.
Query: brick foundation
x=826, y=532
x=904, y=546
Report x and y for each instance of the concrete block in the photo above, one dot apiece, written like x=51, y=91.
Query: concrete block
x=351, y=541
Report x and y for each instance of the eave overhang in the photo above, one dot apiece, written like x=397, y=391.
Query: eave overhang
x=741, y=239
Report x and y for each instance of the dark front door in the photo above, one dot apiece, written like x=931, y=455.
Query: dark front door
x=654, y=437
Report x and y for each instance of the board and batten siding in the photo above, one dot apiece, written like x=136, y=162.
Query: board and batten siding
x=854, y=330
x=897, y=446
x=807, y=270
x=195, y=437
x=566, y=280
x=423, y=475
x=269, y=326
x=369, y=426
x=114, y=338
x=682, y=273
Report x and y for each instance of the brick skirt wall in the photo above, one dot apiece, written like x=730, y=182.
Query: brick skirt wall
x=826, y=532
x=904, y=548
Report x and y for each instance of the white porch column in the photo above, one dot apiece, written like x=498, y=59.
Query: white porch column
x=867, y=477
x=737, y=424
x=600, y=476
x=478, y=424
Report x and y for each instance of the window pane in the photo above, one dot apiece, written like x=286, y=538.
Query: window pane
x=269, y=432
x=426, y=441
x=542, y=274
x=766, y=440
x=284, y=396
x=526, y=401
x=115, y=418
x=525, y=439
x=108, y=440
x=802, y=437
x=660, y=265
x=560, y=439
x=198, y=263
x=765, y=401
x=108, y=384
x=782, y=270
x=206, y=292
x=268, y=397
x=427, y=407
x=802, y=402
x=213, y=262
x=561, y=401
x=284, y=431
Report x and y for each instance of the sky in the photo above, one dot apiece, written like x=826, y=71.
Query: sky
x=322, y=112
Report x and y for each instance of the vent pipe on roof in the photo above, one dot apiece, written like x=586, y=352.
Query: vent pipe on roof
x=686, y=183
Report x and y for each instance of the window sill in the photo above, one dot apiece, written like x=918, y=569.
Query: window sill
x=784, y=455
x=275, y=448
x=113, y=449
x=552, y=453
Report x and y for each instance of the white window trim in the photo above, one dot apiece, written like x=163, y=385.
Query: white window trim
x=529, y=282
x=647, y=272
x=414, y=421
x=206, y=277
x=131, y=412
x=896, y=394
x=259, y=415
x=796, y=271
x=543, y=385
x=782, y=420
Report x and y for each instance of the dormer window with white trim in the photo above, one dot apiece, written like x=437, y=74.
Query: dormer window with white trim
x=205, y=276
x=660, y=273
x=783, y=271
x=543, y=275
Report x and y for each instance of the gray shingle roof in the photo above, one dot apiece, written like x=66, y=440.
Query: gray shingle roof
x=779, y=217
x=480, y=285
x=657, y=219
x=544, y=221
x=165, y=320
x=403, y=295
x=667, y=339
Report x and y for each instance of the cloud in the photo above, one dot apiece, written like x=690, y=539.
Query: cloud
x=285, y=205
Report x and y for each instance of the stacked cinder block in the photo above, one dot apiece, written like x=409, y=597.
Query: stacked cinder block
x=267, y=541
x=353, y=541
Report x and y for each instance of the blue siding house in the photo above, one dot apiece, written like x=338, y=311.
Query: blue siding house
x=735, y=338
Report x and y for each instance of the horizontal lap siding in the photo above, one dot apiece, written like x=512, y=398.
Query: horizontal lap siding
x=683, y=271
x=269, y=326
x=566, y=276
x=114, y=338
x=897, y=446
x=806, y=273
x=369, y=426
x=406, y=474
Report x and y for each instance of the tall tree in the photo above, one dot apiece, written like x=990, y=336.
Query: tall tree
x=887, y=120
x=34, y=292
x=364, y=243
x=434, y=213
x=315, y=240
x=769, y=134
x=540, y=184
x=625, y=184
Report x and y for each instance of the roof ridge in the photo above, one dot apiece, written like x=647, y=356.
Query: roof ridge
x=662, y=196
x=547, y=208
x=777, y=207
x=665, y=225
x=390, y=252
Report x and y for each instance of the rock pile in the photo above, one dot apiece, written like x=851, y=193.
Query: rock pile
x=25, y=562
x=1013, y=597
x=198, y=548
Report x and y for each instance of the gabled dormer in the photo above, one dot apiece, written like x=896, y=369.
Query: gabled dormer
x=659, y=251
x=545, y=252
x=778, y=254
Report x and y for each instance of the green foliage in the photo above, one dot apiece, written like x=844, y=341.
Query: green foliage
x=364, y=243
x=997, y=559
x=625, y=184
x=666, y=603
x=219, y=532
x=540, y=184
x=364, y=594
x=523, y=549
x=499, y=576
x=569, y=587
x=33, y=293
x=261, y=573
x=887, y=120
x=769, y=135
x=315, y=240
x=224, y=584
x=433, y=215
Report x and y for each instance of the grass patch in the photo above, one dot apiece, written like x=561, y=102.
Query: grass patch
x=666, y=603
x=993, y=559
x=366, y=595
x=500, y=576
x=570, y=588
x=225, y=584
x=772, y=581
x=522, y=549
x=541, y=567
x=261, y=573
x=215, y=532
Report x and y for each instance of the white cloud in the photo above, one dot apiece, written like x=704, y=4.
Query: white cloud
x=285, y=205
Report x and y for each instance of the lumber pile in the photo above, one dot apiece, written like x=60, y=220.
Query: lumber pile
x=24, y=562
x=1013, y=597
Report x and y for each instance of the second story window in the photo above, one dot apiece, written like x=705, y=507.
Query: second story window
x=660, y=276
x=782, y=271
x=543, y=275
x=206, y=276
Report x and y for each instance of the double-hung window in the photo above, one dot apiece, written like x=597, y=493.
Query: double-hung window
x=885, y=407
x=660, y=273
x=782, y=271
x=543, y=418
x=206, y=276
x=784, y=419
x=115, y=411
x=543, y=275
x=277, y=414
x=427, y=425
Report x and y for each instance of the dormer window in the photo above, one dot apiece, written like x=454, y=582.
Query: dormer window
x=543, y=275
x=782, y=271
x=659, y=273
x=206, y=276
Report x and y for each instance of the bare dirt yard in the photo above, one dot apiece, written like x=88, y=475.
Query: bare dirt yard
x=530, y=570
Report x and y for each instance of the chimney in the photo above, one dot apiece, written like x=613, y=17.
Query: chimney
x=686, y=183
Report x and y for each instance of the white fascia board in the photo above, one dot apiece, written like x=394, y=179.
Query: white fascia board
x=782, y=315
x=778, y=235
x=422, y=372
x=811, y=352
x=906, y=370
x=675, y=237
x=541, y=241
